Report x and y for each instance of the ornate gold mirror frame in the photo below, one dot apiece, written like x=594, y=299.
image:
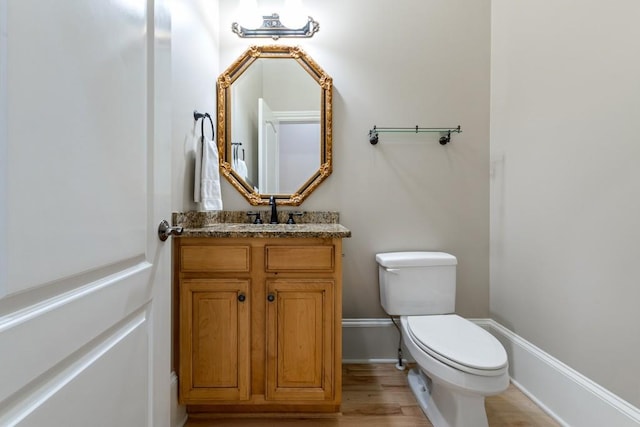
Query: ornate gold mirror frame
x=224, y=141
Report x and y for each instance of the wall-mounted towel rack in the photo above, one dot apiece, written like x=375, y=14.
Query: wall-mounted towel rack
x=444, y=139
x=197, y=116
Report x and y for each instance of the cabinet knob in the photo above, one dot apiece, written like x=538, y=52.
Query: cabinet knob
x=271, y=297
x=241, y=297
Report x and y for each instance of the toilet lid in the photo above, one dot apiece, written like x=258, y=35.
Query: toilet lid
x=458, y=343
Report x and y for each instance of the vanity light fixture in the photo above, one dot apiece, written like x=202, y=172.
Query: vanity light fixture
x=272, y=27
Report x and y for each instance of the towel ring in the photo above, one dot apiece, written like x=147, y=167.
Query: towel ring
x=197, y=116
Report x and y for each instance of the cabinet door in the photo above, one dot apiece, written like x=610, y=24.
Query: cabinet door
x=300, y=340
x=214, y=340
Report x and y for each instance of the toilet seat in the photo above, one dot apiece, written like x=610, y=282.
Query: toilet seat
x=458, y=343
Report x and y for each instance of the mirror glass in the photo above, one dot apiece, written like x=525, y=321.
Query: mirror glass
x=274, y=124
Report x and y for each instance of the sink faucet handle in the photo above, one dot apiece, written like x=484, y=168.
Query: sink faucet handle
x=291, y=214
x=258, y=220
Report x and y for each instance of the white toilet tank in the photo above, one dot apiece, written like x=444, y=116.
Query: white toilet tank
x=417, y=283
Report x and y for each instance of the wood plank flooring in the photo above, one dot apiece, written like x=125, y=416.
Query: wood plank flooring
x=378, y=396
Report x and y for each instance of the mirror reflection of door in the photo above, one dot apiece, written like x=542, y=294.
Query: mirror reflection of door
x=299, y=152
x=268, y=150
x=288, y=148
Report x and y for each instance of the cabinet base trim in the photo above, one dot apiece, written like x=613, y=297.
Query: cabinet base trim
x=206, y=411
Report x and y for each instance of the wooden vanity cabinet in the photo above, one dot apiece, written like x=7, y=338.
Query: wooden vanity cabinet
x=259, y=324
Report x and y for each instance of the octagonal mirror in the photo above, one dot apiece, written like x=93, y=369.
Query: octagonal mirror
x=274, y=124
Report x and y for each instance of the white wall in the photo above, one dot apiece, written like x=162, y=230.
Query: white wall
x=399, y=63
x=288, y=87
x=565, y=188
x=195, y=66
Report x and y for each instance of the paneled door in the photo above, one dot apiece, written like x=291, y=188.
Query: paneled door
x=84, y=183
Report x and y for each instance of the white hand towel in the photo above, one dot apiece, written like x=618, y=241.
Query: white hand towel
x=197, y=176
x=210, y=194
x=242, y=170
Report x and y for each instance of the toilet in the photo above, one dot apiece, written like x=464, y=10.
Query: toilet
x=459, y=363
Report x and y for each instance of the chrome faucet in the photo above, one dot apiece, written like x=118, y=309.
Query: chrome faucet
x=274, y=211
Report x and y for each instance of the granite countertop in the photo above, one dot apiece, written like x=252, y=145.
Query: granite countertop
x=268, y=230
x=236, y=224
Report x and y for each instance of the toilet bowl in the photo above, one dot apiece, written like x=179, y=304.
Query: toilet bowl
x=459, y=363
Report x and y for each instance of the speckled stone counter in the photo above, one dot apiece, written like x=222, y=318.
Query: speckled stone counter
x=238, y=224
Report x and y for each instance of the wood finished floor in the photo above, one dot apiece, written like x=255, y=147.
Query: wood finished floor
x=378, y=396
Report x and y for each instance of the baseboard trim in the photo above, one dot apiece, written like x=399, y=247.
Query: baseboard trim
x=370, y=361
x=370, y=341
x=566, y=395
x=366, y=323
